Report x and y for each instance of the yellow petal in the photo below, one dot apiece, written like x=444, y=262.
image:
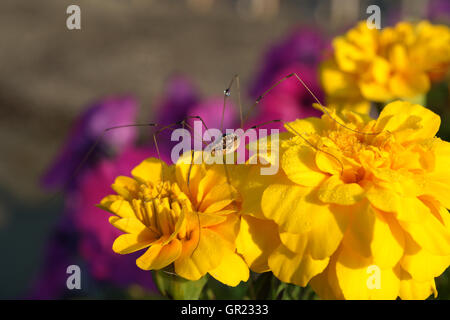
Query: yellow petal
x=125, y=186
x=360, y=279
x=214, y=176
x=292, y=267
x=188, y=173
x=327, y=231
x=305, y=126
x=250, y=184
x=421, y=264
x=152, y=170
x=128, y=225
x=326, y=284
x=128, y=243
x=159, y=256
x=411, y=289
x=117, y=205
x=257, y=239
x=407, y=121
x=430, y=233
x=376, y=235
x=291, y=207
x=333, y=190
x=232, y=270
x=200, y=255
x=218, y=198
x=228, y=230
x=298, y=163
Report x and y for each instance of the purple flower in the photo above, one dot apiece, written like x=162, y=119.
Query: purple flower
x=300, y=46
x=180, y=100
x=86, y=131
x=300, y=53
x=439, y=10
x=85, y=236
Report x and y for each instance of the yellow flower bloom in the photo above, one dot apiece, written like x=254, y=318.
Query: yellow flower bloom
x=357, y=201
x=190, y=225
x=374, y=65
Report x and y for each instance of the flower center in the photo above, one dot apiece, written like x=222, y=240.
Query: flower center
x=159, y=206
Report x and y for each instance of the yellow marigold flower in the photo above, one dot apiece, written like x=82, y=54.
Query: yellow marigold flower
x=348, y=203
x=190, y=225
x=382, y=65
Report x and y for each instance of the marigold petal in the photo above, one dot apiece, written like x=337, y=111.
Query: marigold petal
x=128, y=225
x=128, y=243
x=125, y=186
x=152, y=170
x=200, y=255
x=291, y=207
x=407, y=121
x=292, y=267
x=421, y=264
x=232, y=270
x=256, y=240
x=411, y=289
x=159, y=256
x=430, y=233
x=333, y=190
x=299, y=164
x=358, y=281
x=118, y=206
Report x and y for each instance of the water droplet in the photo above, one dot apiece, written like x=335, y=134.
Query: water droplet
x=227, y=92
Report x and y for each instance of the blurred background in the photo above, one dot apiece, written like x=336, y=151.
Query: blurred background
x=132, y=48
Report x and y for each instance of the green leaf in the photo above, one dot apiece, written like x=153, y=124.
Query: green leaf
x=175, y=287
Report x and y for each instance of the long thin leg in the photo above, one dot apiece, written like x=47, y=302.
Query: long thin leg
x=312, y=94
x=227, y=93
x=302, y=137
x=91, y=150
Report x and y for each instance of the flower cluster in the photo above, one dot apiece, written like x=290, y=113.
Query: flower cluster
x=371, y=193
x=357, y=210
x=185, y=215
x=396, y=62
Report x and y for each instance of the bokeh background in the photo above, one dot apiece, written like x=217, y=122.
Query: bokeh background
x=49, y=75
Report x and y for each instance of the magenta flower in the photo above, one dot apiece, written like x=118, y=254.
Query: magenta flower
x=95, y=233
